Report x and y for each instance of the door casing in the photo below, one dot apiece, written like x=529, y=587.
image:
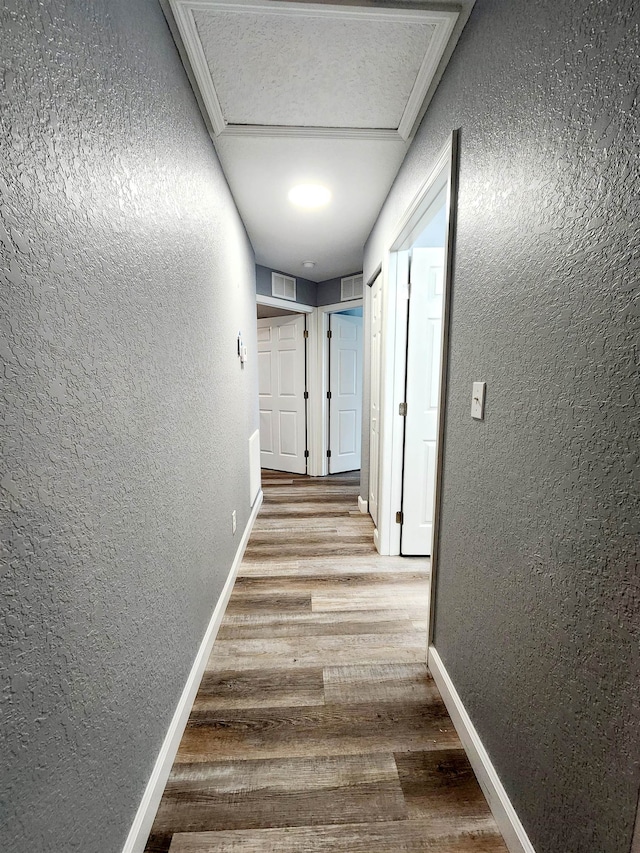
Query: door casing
x=393, y=366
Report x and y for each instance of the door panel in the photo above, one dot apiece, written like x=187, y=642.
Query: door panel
x=264, y=372
x=266, y=431
x=345, y=384
x=423, y=384
x=281, y=378
x=288, y=433
x=347, y=429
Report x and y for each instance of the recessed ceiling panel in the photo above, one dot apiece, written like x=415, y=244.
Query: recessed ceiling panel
x=305, y=70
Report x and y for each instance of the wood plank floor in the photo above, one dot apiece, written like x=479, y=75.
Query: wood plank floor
x=317, y=727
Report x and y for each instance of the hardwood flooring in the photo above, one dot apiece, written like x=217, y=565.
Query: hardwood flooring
x=317, y=727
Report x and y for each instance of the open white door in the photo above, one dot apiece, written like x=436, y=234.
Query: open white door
x=374, y=414
x=345, y=387
x=281, y=385
x=423, y=384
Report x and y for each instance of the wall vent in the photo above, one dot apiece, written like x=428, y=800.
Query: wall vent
x=283, y=286
x=351, y=287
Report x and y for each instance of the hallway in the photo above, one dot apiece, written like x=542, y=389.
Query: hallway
x=317, y=728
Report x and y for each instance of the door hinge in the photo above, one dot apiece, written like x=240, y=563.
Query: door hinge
x=402, y=410
x=306, y=333
x=306, y=395
x=306, y=454
x=399, y=517
x=328, y=454
x=328, y=395
x=329, y=334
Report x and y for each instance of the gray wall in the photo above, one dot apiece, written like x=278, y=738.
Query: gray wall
x=125, y=276
x=329, y=290
x=538, y=596
x=305, y=290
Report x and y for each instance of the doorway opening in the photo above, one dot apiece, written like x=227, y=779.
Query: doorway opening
x=282, y=388
x=425, y=278
x=414, y=306
x=344, y=397
x=336, y=387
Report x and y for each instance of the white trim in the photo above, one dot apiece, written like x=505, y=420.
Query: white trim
x=444, y=27
x=393, y=357
x=363, y=505
x=276, y=302
x=315, y=382
x=183, y=14
x=443, y=22
x=315, y=10
x=504, y=813
x=143, y=821
x=408, y=224
x=273, y=131
x=341, y=306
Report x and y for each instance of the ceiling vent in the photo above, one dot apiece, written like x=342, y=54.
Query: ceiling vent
x=351, y=287
x=283, y=286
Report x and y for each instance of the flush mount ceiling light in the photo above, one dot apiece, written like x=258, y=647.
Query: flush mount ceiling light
x=308, y=265
x=309, y=195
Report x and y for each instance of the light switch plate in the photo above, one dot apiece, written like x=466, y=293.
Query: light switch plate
x=477, y=400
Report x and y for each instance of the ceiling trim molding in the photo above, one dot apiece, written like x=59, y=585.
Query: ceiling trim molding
x=443, y=29
x=317, y=10
x=443, y=22
x=275, y=132
x=183, y=13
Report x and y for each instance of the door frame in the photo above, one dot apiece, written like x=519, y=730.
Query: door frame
x=319, y=383
x=394, y=340
x=298, y=308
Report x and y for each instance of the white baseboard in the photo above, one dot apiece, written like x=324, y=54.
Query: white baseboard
x=363, y=505
x=376, y=539
x=141, y=827
x=505, y=815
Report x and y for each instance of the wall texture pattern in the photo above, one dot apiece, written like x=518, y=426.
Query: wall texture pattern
x=125, y=276
x=538, y=593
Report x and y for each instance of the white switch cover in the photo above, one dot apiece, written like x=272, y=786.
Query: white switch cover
x=477, y=400
x=234, y=521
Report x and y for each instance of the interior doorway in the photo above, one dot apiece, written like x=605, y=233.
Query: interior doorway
x=426, y=258
x=282, y=389
x=415, y=299
x=344, y=409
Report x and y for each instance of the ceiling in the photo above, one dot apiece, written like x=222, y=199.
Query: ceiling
x=312, y=93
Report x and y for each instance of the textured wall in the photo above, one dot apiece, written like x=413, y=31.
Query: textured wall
x=125, y=276
x=538, y=595
x=305, y=290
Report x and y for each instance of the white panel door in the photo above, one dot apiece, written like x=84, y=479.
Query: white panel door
x=374, y=414
x=345, y=385
x=423, y=387
x=281, y=386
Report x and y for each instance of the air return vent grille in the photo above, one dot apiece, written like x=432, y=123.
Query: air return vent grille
x=351, y=287
x=283, y=286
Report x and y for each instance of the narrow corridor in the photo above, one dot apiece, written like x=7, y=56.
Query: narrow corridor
x=317, y=728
